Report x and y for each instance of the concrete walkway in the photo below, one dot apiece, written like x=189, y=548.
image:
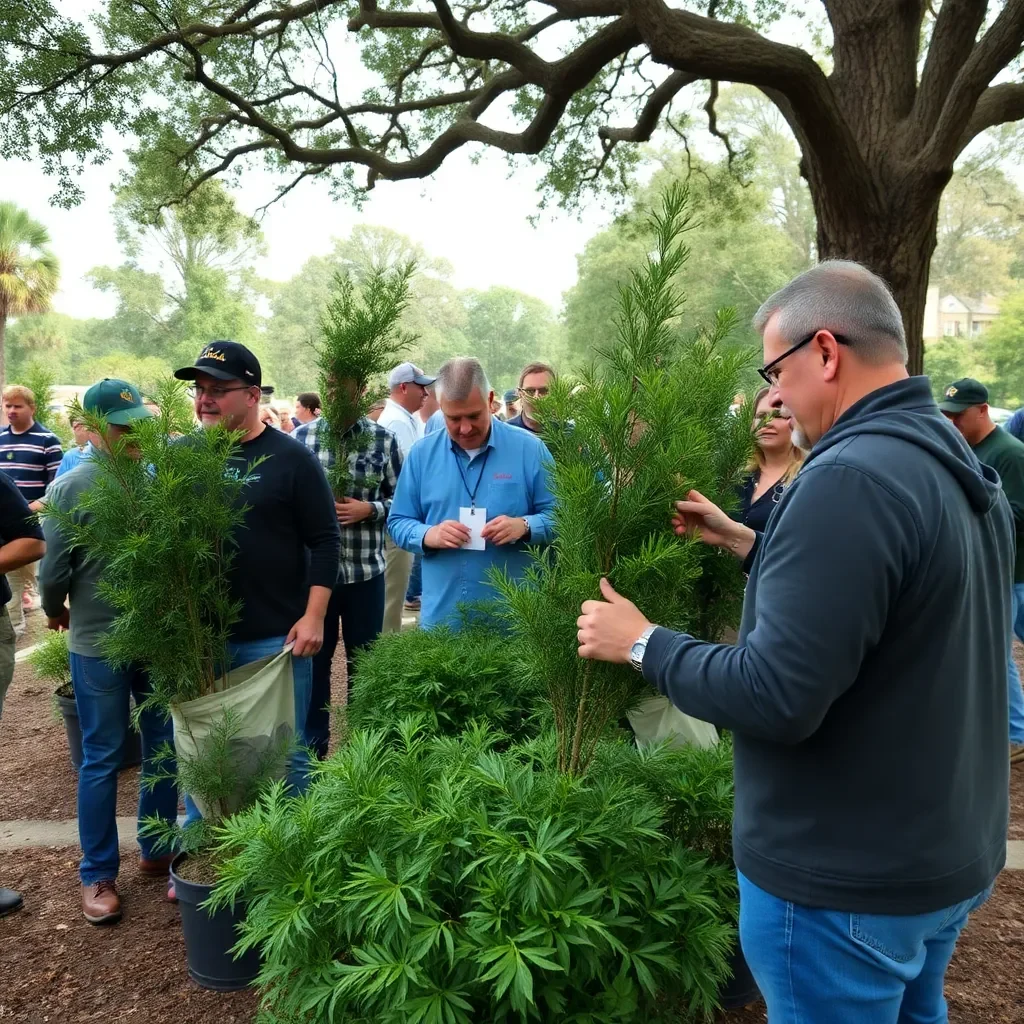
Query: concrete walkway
x=15, y=835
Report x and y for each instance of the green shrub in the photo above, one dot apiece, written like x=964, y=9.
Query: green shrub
x=51, y=658
x=437, y=880
x=450, y=677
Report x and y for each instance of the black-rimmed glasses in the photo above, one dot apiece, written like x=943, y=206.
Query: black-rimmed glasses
x=198, y=391
x=770, y=373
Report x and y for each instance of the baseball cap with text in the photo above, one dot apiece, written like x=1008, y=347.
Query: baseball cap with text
x=225, y=360
x=962, y=394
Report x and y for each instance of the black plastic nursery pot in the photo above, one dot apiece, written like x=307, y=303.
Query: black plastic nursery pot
x=209, y=938
x=131, y=754
x=741, y=989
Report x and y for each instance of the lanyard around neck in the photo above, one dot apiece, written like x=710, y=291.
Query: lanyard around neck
x=465, y=482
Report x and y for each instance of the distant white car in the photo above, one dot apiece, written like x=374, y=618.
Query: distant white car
x=999, y=416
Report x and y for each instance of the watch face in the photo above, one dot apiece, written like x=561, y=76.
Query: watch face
x=637, y=650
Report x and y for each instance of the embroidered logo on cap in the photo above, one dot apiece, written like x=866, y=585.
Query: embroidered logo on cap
x=212, y=353
x=127, y=395
x=950, y=391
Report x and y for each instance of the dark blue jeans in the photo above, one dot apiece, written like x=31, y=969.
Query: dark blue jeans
x=815, y=965
x=102, y=696
x=359, y=607
x=415, y=589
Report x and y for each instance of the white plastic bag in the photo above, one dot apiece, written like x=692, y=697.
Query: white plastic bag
x=260, y=697
x=658, y=719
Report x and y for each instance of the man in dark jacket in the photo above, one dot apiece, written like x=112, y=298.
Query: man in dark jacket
x=867, y=693
x=965, y=404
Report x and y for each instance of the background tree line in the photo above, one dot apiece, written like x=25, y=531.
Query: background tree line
x=188, y=273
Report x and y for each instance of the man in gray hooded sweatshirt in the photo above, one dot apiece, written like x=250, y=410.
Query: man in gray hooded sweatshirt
x=867, y=693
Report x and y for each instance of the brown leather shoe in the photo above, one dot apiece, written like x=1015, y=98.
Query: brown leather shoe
x=100, y=903
x=1016, y=753
x=156, y=867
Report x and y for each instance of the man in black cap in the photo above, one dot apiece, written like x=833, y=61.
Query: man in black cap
x=286, y=563
x=965, y=403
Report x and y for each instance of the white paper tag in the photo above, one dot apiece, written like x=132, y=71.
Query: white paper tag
x=475, y=519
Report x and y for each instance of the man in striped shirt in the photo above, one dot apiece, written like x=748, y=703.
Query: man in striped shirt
x=30, y=456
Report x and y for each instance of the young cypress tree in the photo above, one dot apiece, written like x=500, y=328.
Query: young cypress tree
x=649, y=422
x=361, y=338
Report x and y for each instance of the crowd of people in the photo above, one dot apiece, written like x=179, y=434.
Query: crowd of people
x=871, y=689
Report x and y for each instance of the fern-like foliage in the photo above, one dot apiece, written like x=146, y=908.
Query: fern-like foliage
x=451, y=677
x=51, y=658
x=428, y=879
x=649, y=422
x=361, y=339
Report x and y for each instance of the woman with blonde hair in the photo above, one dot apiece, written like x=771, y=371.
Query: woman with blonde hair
x=775, y=462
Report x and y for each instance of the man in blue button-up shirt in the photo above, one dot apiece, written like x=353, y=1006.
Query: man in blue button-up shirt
x=476, y=467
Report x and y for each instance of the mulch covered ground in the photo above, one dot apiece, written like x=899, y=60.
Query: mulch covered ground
x=55, y=967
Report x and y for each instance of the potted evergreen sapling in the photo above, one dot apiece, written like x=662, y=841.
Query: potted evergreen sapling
x=51, y=660
x=360, y=339
x=160, y=520
x=434, y=871
x=650, y=422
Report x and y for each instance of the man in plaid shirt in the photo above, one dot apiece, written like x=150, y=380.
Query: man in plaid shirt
x=358, y=598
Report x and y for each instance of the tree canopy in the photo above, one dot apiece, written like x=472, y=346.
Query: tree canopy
x=29, y=270
x=880, y=117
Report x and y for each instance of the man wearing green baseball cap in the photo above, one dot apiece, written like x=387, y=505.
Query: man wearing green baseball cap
x=965, y=403
x=102, y=692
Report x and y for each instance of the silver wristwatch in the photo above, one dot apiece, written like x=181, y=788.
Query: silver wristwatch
x=636, y=652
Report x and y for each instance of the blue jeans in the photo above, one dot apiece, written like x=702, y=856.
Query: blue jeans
x=102, y=696
x=1016, y=695
x=247, y=651
x=826, y=965
x=415, y=589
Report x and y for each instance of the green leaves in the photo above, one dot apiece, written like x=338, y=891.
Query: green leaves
x=437, y=878
x=650, y=422
x=361, y=337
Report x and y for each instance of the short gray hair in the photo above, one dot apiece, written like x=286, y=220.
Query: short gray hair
x=843, y=297
x=459, y=377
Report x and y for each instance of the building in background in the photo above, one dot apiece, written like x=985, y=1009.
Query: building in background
x=954, y=316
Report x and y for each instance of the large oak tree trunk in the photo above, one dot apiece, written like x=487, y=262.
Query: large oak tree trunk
x=896, y=243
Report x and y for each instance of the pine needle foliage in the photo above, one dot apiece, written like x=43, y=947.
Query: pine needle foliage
x=650, y=420
x=427, y=879
x=361, y=339
x=160, y=518
x=452, y=678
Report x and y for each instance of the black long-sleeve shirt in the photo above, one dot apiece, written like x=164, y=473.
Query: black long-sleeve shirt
x=290, y=541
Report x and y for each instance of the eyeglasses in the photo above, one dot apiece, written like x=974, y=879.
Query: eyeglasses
x=535, y=392
x=770, y=372
x=196, y=391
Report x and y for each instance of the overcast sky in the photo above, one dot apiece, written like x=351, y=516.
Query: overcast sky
x=473, y=215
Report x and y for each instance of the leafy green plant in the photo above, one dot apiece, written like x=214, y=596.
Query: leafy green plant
x=40, y=379
x=360, y=340
x=159, y=518
x=51, y=659
x=429, y=879
x=451, y=677
x=650, y=421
